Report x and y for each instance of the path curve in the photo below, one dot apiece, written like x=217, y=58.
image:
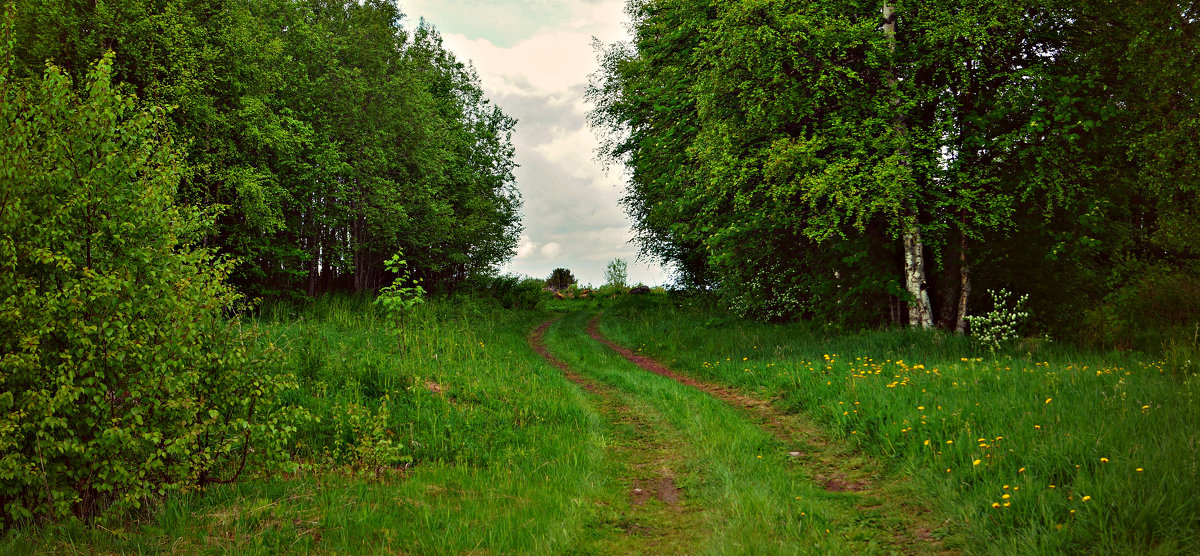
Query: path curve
x=832, y=473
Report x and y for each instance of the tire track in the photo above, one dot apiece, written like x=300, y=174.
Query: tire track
x=658, y=518
x=834, y=466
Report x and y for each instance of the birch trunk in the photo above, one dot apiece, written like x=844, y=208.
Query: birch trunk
x=964, y=292
x=920, y=310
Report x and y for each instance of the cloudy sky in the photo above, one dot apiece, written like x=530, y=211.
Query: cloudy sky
x=534, y=58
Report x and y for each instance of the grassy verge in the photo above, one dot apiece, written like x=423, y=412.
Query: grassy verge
x=455, y=438
x=1037, y=451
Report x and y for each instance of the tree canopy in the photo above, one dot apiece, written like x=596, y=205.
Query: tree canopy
x=798, y=156
x=322, y=135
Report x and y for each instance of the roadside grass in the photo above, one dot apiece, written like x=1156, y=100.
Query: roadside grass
x=1041, y=449
x=454, y=438
x=753, y=498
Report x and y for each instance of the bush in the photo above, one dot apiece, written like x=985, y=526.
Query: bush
x=1159, y=307
x=123, y=378
x=515, y=292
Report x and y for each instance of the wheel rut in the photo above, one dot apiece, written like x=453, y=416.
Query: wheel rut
x=658, y=519
x=835, y=467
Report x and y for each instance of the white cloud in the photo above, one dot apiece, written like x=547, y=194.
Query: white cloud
x=526, y=248
x=534, y=58
x=550, y=250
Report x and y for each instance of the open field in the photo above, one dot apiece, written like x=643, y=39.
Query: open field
x=457, y=436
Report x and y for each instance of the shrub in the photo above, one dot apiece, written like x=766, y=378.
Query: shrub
x=997, y=327
x=515, y=292
x=123, y=378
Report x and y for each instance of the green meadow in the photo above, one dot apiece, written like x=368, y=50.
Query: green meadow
x=453, y=436
x=1041, y=448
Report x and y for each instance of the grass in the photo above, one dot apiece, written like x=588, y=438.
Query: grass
x=754, y=498
x=1043, y=449
x=457, y=438
x=452, y=436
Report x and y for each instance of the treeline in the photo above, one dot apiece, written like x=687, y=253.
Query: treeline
x=873, y=162
x=320, y=134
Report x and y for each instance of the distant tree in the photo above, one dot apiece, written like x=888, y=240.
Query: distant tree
x=560, y=279
x=616, y=274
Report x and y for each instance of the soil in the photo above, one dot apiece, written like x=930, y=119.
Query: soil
x=658, y=520
x=836, y=467
x=650, y=459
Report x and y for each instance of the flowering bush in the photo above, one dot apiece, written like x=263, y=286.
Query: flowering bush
x=999, y=325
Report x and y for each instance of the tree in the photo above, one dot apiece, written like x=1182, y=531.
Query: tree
x=560, y=279
x=322, y=134
x=123, y=377
x=616, y=273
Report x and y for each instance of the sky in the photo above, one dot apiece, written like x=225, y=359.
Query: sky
x=534, y=58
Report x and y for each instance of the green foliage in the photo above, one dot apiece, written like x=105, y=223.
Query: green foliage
x=560, y=279
x=324, y=134
x=123, y=377
x=398, y=298
x=514, y=292
x=616, y=273
x=998, y=327
x=1019, y=139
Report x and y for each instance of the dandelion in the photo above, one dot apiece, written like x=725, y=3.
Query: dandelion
x=977, y=462
x=1021, y=470
x=1139, y=470
x=1048, y=400
x=1103, y=460
x=921, y=407
x=995, y=504
x=927, y=443
x=1007, y=504
x=1085, y=498
x=1006, y=496
x=949, y=442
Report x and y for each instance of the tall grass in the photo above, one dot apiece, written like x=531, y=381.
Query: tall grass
x=447, y=437
x=1041, y=449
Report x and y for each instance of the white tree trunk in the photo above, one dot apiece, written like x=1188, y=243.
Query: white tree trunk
x=920, y=310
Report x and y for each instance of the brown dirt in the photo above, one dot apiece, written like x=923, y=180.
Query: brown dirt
x=650, y=459
x=832, y=465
